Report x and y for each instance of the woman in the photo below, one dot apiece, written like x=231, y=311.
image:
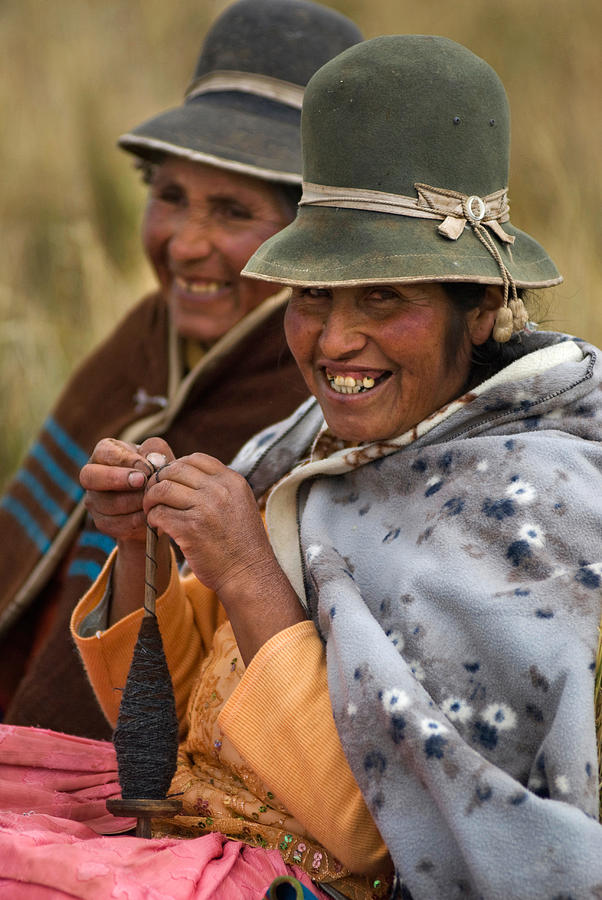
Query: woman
x=201, y=361
x=433, y=514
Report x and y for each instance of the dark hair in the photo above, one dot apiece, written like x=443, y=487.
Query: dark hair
x=146, y=167
x=291, y=194
x=488, y=358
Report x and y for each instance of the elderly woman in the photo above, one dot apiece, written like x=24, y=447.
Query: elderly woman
x=417, y=636
x=203, y=361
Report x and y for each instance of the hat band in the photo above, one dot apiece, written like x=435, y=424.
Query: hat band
x=248, y=83
x=456, y=210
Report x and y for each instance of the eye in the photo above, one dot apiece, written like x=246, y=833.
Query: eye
x=232, y=209
x=169, y=192
x=310, y=300
x=312, y=293
x=383, y=296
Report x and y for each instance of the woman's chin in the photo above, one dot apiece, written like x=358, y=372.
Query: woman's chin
x=358, y=432
x=202, y=329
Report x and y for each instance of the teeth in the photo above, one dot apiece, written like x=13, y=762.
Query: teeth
x=194, y=287
x=345, y=384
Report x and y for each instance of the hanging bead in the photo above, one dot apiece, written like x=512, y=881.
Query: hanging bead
x=502, y=330
x=519, y=313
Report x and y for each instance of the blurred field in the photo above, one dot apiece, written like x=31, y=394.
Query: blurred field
x=75, y=75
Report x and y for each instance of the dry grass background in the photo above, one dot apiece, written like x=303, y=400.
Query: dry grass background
x=74, y=75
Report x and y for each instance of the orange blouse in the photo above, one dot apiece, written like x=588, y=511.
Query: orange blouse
x=260, y=758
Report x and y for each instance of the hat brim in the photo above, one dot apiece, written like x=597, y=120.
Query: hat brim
x=239, y=132
x=330, y=246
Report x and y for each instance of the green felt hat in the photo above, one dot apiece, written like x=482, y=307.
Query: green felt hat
x=405, y=174
x=242, y=110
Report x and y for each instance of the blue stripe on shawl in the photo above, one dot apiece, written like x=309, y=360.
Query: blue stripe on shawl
x=58, y=515
x=96, y=539
x=27, y=522
x=86, y=567
x=67, y=444
x=60, y=478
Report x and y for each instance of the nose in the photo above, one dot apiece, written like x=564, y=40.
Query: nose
x=191, y=238
x=341, y=336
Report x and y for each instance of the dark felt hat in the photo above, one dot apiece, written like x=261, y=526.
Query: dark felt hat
x=405, y=168
x=242, y=110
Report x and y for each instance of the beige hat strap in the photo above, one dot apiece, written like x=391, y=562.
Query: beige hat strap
x=456, y=211
x=248, y=83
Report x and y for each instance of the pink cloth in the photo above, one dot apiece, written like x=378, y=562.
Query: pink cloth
x=58, y=841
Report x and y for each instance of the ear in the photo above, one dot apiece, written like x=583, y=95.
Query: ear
x=481, y=320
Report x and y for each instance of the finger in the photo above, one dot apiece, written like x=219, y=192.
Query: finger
x=126, y=526
x=116, y=503
x=173, y=495
x=204, y=463
x=156, y=445
x=178, y=523
x=184, y=472
x=157, y=460
x=96, y=477
x=111, y=452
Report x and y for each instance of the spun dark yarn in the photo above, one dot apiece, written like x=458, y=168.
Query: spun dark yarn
x=146, y=736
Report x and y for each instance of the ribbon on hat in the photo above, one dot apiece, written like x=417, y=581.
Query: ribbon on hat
x=456, y=211
x=460, y=209
x=248, y=83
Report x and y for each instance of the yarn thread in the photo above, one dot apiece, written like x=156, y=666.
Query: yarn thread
x=146, y=735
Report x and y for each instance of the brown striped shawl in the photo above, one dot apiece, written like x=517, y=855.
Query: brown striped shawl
x=131, y=387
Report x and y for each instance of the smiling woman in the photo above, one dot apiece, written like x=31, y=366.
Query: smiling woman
x=375, y=356
x=200, y=227
x=383, y=645
x=448, y=518
x=201, y=360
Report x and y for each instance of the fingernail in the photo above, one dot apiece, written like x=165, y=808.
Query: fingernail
x=156, y=459
x=136, y=479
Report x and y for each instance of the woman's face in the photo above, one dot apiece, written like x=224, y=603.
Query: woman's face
x=375, y=356
x=200, y=227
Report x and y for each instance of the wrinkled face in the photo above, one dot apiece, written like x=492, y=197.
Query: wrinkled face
x=375, y=356
x=200, y=227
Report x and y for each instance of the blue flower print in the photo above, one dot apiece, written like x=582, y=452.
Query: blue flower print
x=394, y=700
x=532, y=535
x=520, y=491
x=457, y=709
x=435, y=742
x=416, y=669
x=396, y=638
x=499, y=715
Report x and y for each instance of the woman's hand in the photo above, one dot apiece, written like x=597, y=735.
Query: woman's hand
x=115, y=479
x=210, y=512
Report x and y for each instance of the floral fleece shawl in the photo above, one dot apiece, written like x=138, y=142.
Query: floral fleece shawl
x=454, y=574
